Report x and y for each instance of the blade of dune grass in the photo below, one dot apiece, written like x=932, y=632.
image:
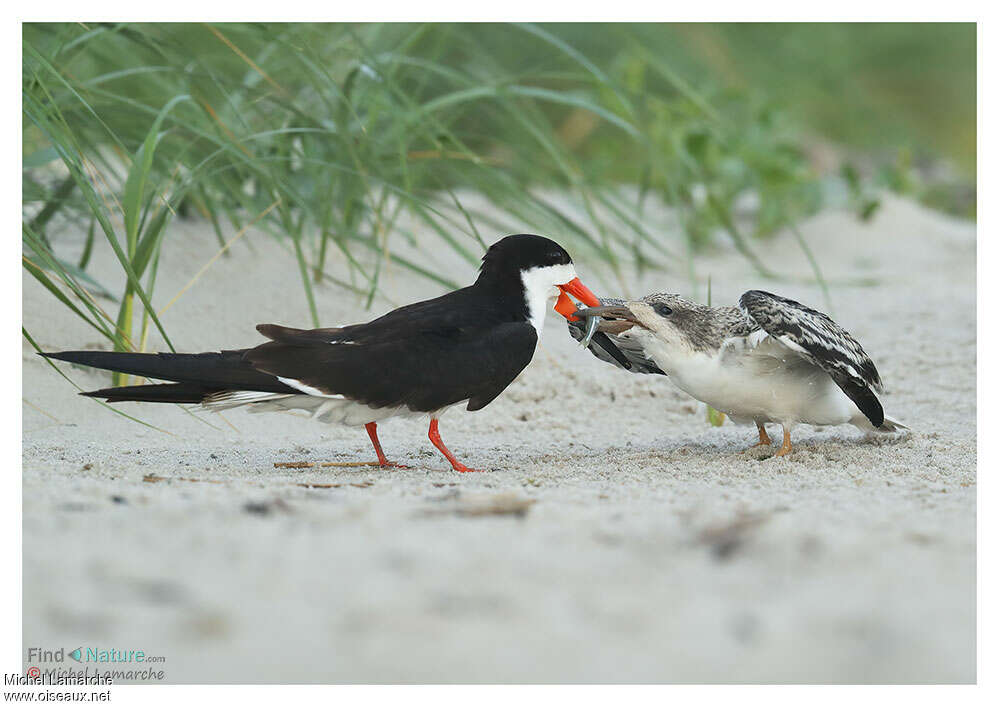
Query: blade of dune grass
x=141, y=242
x=34, y=345
x=468, y=219
x=576, y=55
x=88, y=247
x=413, y=267
x=53, y=125
x=715, y=417
x=39, y=274
x=38, y=409
x=303, y=268
x=225, y=40
x=53, y=205
x=814, y=264
x=97, y=318
x=53, y=71
x=723, y=215
x=86, y=280
x=222, y=251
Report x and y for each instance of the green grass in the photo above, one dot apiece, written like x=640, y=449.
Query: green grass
x=331, y=137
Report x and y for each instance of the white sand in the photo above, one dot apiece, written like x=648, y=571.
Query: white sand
x=654, y=551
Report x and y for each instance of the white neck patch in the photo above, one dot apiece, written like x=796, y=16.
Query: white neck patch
x=540, y=287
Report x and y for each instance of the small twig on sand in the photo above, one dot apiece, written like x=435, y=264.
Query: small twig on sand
x=154, y=479
x=310, y=465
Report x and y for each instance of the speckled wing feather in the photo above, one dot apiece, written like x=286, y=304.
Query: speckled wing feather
x=821, y=341
x=619, y=350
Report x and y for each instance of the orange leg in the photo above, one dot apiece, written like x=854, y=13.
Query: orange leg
x=765, y=440
x=383, y=462
x=435, y=438
x=786, y=447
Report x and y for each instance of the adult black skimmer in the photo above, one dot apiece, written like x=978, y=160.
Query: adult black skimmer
x=464, y=347
x=770, y=359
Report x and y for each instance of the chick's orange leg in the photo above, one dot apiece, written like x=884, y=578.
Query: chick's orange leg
x=765, y=440
x=786, y=447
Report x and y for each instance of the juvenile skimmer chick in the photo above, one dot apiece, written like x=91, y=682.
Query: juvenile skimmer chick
x=770, y=359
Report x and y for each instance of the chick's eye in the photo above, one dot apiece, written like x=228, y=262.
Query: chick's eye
x=662, y=310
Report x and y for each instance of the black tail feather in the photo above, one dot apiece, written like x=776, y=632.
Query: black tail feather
x=864, y=398
x=159, y=393
x=225, y=370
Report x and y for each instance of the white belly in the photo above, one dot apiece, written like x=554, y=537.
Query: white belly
x=750, y=385
x=329, y=409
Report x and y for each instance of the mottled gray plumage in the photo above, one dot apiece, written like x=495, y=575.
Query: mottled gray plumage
x=705, y=328
x=683, y=328
x=823, y=341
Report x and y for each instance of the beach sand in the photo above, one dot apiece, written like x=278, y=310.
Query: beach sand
x=617, y=538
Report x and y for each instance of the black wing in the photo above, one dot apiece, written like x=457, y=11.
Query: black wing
x=617, y=349
x=821, y=341
x=424, y=367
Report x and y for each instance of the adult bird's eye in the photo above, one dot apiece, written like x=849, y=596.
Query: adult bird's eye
x=662, y=310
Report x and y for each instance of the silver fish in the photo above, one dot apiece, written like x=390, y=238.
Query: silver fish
x=591, y=328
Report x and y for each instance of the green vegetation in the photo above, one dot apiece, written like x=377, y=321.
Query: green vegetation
x=327, y=136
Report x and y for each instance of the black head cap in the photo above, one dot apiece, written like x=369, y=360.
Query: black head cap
x=513, y=254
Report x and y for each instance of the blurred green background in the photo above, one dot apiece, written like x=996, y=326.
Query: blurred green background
x=877, y=87
x=332, y=137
